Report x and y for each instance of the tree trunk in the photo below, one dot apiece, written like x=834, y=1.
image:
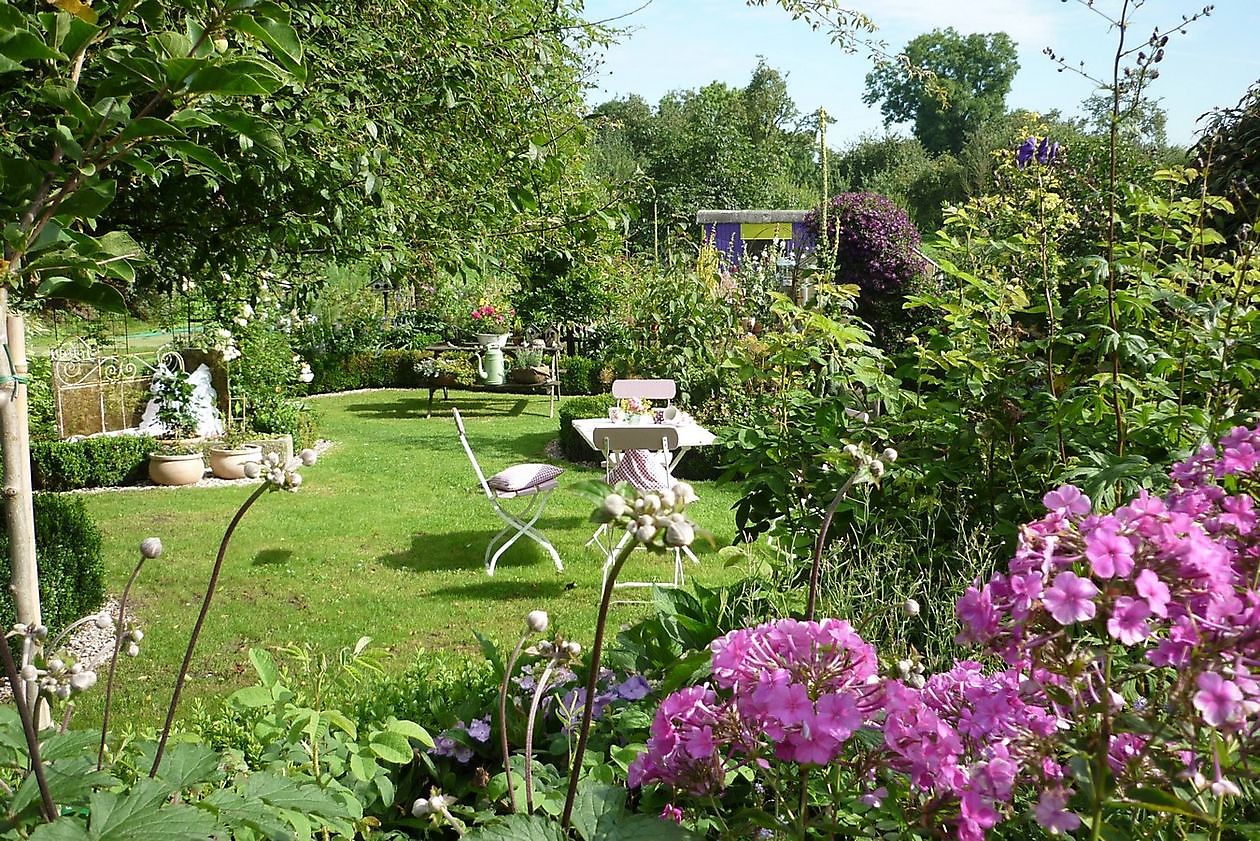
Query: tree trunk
x=15, y=440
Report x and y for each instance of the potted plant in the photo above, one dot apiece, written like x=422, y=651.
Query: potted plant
x=229, y=457
x=178, y=460
x=529, y=368
x=492, y=324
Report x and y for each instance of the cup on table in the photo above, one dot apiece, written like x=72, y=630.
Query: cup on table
x=658, y=416
x=614, y=414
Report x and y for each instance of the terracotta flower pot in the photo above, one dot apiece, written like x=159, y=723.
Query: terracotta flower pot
x=183, y=469
x=229, y=463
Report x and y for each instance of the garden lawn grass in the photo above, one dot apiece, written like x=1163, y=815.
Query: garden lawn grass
x=384, y=539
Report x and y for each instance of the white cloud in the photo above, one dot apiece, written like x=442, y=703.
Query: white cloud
x=1033, y=28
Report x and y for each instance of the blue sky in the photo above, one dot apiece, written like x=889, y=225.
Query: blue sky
x=681, y=44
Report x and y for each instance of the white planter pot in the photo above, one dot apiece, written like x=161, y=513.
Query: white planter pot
x=230, y=463
x=493, y=339
x=184, y=469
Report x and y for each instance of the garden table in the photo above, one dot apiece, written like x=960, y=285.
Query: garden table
x=551, y=384
x=689, y=435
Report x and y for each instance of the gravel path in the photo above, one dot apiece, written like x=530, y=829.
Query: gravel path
x=89, y=645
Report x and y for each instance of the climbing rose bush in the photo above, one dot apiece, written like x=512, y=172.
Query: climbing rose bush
x=1129, y=636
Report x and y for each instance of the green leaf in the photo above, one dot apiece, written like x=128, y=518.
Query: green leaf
x=518, y=828
x=644, y=828
x=252, y=697
x=234, y=810
x=25, y=46
x=139, y=815
x=411, y=730
x=146, y=127
x=391, y=747
x=255, y=129
x=280, y=39
x=284, y=793
x=63, y=829
x=1156, y=800
x=597, y=805
x=188, y=151
x=265, y=665
x=491, y=652
x=187, y=764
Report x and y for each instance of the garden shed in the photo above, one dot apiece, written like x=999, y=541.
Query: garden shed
x=739, y=232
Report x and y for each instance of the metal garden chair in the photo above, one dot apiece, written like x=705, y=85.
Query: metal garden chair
x=665, y=390
x=532, y=483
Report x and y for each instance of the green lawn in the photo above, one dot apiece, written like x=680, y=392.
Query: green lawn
x=385, y=539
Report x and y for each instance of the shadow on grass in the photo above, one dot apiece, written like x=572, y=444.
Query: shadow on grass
x=505, y=588
x=410, y=408
x=273, y=557
x=462, y=550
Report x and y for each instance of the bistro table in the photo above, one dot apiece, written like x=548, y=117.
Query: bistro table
x=689, y=435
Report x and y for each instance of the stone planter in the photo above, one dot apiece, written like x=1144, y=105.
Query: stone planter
x=229, y=463
x=183, y=469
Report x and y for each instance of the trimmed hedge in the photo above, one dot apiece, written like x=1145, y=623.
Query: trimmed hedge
x=580, y=375
x=572, y=445
x=91, y=463
x=379, y=369
x=71, y=564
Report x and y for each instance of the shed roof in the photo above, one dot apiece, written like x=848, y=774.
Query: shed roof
x=704, y=217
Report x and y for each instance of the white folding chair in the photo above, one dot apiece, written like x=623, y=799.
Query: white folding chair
x=532, y=483
x=665, y=390
x=639, y=455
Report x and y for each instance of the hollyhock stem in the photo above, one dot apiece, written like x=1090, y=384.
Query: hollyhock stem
x=820, y=544
x=113, y=661
x=46, y=805
x=592, y=680
x=503, y=733
x=529, y=737
x=201, y=619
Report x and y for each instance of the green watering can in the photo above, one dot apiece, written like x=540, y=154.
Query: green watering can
x=490, y=366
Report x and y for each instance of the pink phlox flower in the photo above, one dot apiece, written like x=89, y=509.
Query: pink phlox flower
x=1239, y=458
x=1128, y=620
x=1218, y=699
x=1124, y=749
x=1067, y=500
x=1239, y=514
x=838, y=716
x=1110, y=554
x=672, y=813
x=1175, y=650
x=1154, y=591
x=1070, y=599
x=1052, y=813
x=977, y=615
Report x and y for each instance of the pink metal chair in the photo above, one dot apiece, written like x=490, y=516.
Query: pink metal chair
x=532, y=483
x=639, y=455
x=665, y=390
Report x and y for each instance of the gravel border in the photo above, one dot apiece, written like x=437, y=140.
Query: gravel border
x=89, y=645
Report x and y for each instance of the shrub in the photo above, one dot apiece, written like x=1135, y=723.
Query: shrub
x=436, y=691
x=580, y=375
x=571, y=443
x=379, y=369
x=71, y=564
x=39, y=400
x=284, y=416
x=104, y=462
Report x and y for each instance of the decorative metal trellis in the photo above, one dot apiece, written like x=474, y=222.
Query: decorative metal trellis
x=96, y=392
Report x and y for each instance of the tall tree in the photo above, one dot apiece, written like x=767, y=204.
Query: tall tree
x=972, y=76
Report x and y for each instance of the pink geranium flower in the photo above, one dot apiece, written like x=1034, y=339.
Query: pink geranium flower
x=1071, y=599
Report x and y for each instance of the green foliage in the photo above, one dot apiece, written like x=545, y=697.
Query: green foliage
x=581, y=375
x=1226, y=154
x=971, y=76
x=380, y=369
x=39, y=400
x=715, y=147
x=173, y=391
x=572, y=445
x=71, y=563
x=103, y=462
x=437, y=690
x=122, y=92
x=285, y=416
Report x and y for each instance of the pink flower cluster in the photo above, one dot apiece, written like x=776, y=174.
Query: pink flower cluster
x=967, y=737
x=490, y=316
x=1160, y=596
x=796, y=690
